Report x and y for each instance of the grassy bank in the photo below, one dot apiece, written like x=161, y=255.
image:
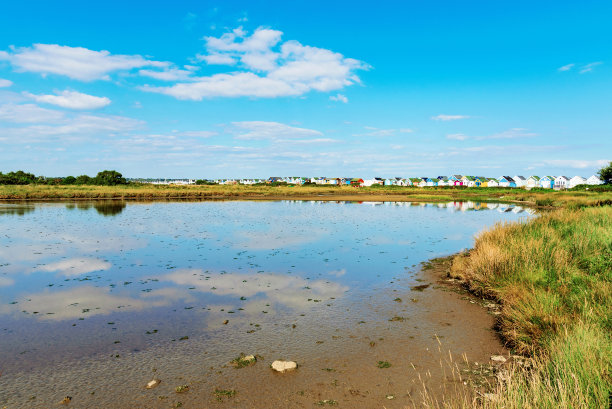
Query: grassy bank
x=553, y=278
x=382, y=193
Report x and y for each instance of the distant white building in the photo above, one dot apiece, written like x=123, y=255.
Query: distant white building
x=561, y=182
x=533, y=181
x=370, y=182
x=575, y=181
x=493, y=182
x=594, y=180
x=520, y=181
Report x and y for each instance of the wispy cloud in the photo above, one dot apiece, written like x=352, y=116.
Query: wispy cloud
x=74, y=62
x=443, y=117
x=254, y=130
x=190, y=20
x=5, y=83
x=71, y=100
x=169, y=74
x=512, y=133
x=589, y=67
x=43, y=125
x=267, y=68
x=577, y=164
x=28, y=113
x=195, y=134
x=382, y=132
x=457, y=136
x=339, y=98
x=566, y=67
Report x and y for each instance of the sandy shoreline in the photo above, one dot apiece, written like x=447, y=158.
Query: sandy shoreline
x=439, y=324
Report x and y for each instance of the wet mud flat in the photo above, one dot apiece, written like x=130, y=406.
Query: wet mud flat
x=415, y=334
x=97, y=300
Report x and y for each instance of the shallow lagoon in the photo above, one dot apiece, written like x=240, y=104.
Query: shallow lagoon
x=83, y=285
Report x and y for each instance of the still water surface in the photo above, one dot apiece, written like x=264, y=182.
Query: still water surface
x=86, y=283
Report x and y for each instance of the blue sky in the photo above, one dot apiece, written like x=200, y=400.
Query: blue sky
x=255, y=89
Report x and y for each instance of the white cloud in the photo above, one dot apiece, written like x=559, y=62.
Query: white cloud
x=308, y=141
x=589, y=67
x=216, y=59
x=170, y=74
x=196, y=134
x=268, y=68
x=339, y=98
x=577, y=164
x=74, y=62
x=382, y=132
x=254, y=51
x=71, y=99
x=45, y=125
x=28, y=113
x=566, y=67
x=443, y=117
x=457, y=136
x=227, y=85
x=5, y=83
x=251, y=130
x=512, y=133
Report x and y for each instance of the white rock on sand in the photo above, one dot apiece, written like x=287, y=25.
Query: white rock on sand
x=282, y=366
x=153, y=383
x=498, y=358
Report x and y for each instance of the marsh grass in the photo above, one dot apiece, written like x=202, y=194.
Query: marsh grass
x=552, y=276
x=136, y=191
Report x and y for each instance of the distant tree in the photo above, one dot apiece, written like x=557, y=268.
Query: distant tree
x=83, y=180
x=109, y=178
x=17, y=178
x=605, y=174
x=204, y=182
x=53, y=181
x=68, y=180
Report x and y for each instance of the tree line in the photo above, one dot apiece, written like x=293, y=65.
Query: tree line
x=103, y=178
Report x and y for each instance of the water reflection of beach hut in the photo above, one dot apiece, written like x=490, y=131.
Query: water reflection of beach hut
x=492, y=206
x=502, y=208
x=517, y=209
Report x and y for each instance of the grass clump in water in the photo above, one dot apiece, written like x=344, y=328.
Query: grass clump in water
x=181, y=388
x=243, y=361
x=329, y=402
x=221, y=393
x=383, y=364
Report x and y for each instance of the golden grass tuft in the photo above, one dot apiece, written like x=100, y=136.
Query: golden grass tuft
x=553, y=278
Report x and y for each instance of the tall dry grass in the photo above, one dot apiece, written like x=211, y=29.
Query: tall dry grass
x=553, y=278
